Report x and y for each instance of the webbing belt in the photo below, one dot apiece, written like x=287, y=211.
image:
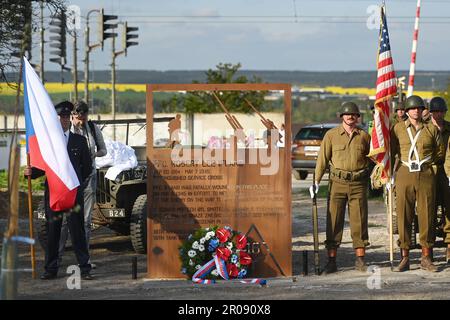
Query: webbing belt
x=414, y=165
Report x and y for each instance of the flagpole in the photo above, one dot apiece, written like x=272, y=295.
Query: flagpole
x=30, y=218
x=390, y=193
x=389, y=181
x=412, y=66
x=390, y=199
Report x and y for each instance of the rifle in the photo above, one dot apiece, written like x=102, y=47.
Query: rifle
x=315, y=220
x=266, y=122
x=231, y=119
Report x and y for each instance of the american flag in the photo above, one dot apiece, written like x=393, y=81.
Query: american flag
x=386, y=89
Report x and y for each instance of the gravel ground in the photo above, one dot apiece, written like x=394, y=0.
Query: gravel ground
x=113, y=255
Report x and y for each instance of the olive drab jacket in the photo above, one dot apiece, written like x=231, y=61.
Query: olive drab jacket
x=428, y=143
x=342, y=151
x=445, y=134
x=396, y=119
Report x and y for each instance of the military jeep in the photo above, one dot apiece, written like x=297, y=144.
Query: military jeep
x=121, y=204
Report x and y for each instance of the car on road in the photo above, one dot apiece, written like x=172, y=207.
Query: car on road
x=305, y=148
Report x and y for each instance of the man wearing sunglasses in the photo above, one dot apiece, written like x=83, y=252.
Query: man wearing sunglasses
x=86, y=128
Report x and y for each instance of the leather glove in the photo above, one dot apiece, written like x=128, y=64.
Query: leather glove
x=314, y=189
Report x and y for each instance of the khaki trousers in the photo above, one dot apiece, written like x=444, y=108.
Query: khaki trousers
x=355, y=195
x=412, y=188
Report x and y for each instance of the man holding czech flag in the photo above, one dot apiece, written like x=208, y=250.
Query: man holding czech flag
x=65, y=160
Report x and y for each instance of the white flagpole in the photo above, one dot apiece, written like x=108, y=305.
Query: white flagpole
x=412, y=67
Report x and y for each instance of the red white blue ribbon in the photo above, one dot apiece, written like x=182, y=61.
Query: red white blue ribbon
x=201, y=273
x=221, y=267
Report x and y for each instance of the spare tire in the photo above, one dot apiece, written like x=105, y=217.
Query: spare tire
x=41, y=225
x=138, y=224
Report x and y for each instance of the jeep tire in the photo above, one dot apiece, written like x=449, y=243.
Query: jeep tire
x=138, y=224
x=41, y=226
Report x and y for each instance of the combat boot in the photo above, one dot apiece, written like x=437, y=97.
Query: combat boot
x=425, y=261
x=331, y=266
x=404, y=263
x=360, y=265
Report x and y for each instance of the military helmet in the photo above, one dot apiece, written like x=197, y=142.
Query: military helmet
x=414, y=102
x=438, y=104
x=349, y=108
x=398, y=105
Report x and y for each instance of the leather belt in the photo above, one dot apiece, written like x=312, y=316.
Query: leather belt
x=349, y=175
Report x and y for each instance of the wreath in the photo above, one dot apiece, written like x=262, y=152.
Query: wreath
x=214, y=253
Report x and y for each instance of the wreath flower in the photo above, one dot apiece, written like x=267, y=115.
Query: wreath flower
x=206, y=245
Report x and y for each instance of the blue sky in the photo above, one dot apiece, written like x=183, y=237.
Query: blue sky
x=269, y=34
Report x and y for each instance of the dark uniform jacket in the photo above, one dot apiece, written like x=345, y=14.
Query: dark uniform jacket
x=80, y=158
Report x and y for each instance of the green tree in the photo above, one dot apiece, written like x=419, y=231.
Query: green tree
x=16, y=26
x=205, y=102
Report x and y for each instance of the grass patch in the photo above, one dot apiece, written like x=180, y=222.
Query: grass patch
x=36, y=184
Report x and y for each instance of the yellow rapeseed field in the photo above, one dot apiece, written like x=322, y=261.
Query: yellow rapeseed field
x=371, y=91
x=56, y=87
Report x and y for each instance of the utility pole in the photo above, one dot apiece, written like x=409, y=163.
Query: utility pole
x=75, y=69
x=104, y=34
x=113, y=84
x=87, y=50
x=41, y=71
x=126, y=35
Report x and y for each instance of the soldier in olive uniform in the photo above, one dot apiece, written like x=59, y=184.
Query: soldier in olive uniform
x=438, y=108
x=344, y=149
x=418, y=146
x=400, y=114
x=426, y=115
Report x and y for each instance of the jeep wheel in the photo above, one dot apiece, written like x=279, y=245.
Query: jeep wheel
x=41, y=225
x=138, y=224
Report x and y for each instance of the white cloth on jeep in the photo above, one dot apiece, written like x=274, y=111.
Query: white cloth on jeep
x=120, y=157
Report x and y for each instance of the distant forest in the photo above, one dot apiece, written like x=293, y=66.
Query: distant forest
x=303, y=112
x=425, y=80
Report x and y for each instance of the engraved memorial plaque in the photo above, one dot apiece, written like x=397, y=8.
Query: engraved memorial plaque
x=248, y=189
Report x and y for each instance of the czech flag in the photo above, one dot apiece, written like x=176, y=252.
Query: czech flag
x=46, y=144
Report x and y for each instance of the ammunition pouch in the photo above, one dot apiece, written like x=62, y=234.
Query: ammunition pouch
x=349, y=176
